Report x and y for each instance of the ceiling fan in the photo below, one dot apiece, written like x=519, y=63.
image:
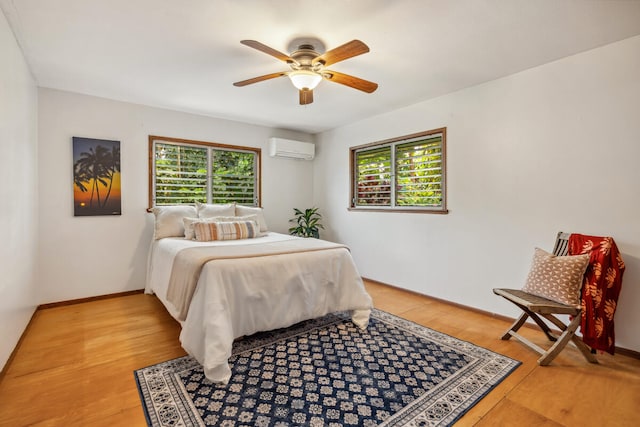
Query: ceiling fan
x=308, y=67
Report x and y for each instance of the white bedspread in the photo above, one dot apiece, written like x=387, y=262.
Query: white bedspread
x=237, y=297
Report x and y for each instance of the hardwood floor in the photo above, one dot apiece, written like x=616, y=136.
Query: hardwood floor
x=74, y=367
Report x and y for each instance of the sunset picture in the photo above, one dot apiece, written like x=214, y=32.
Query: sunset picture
x=96, y=177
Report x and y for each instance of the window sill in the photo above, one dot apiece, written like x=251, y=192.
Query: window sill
x=400, y=210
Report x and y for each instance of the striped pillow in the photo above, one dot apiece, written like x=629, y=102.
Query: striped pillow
x=189, y=233
x=225, y=230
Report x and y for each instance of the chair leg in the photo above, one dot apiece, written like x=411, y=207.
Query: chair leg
x=587, y=352
x=528, y=313
x=516, y=325
x=584, y=349
x=564, y=338
x=543, y=326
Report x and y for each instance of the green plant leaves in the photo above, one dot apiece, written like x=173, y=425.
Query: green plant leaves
x=308, y=223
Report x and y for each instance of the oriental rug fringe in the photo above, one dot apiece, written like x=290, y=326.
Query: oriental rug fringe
x=327, y=372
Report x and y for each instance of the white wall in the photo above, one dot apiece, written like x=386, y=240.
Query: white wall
x=553, y=148
x=88, y=256
x=18, y=192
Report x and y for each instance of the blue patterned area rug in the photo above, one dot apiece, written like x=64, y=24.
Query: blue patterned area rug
x=327, y=372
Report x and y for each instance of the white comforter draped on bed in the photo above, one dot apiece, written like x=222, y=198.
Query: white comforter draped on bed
x=241, y=296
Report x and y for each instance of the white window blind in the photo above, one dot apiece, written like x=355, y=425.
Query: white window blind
x=373, y=187
x=183, y=173
x=405, y=173
x=419, y=173
x=234, y=177
x=180, y=174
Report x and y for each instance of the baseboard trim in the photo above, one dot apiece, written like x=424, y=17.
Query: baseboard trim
x=619, y=350
x=88, y=299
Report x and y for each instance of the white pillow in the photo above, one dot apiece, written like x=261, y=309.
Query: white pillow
x=249, y=210
x=188, y=226
x=207, y=210
x=169, y=220
x=189, y=232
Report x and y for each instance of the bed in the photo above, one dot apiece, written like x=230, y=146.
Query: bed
x=240, y=287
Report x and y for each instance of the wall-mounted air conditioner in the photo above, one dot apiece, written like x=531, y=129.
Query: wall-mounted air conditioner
x=294, y=149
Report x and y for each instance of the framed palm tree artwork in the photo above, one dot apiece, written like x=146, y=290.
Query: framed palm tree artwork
x=96, y=177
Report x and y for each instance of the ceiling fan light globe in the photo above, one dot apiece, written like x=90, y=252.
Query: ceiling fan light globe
x=304, y=79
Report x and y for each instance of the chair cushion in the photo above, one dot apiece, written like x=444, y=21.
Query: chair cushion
x=558, y=278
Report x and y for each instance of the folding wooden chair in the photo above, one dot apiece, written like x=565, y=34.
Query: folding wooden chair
x=534, y=306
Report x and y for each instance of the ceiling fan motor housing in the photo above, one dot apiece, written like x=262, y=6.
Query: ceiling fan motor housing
x=304, y=56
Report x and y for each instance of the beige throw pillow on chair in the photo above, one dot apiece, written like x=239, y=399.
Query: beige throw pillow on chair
x=558, y=278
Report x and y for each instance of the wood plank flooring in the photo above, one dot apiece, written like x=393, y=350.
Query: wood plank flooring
x=75, y=366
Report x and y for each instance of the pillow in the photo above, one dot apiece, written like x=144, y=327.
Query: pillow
x=248, y=210
x=207, y=210
x=189, y=233
x=225, y=230
x=188, y=226
x=558, y=278
x=169, y=220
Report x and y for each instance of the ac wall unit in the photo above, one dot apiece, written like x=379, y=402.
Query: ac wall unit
x=279, y=147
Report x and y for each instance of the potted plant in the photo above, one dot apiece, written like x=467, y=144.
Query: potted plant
x=308, y=223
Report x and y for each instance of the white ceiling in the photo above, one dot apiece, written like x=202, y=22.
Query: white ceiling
x=185, y=54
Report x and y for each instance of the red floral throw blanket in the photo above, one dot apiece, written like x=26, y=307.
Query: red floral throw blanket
x=601, y=288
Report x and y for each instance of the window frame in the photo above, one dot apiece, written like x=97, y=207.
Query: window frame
x=188, y=142
x=353, y=183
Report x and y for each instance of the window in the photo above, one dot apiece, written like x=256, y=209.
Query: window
x=400, y=174
x=184, y=172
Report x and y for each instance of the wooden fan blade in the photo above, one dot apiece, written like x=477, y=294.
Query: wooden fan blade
x=259, y=79
x=351, y=81
x=306, y=96
x=268, y=50
x=340, y=53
